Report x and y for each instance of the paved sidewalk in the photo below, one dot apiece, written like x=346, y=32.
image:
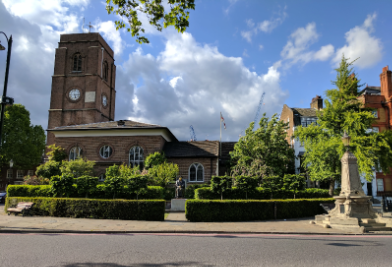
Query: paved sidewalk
x=174, y=223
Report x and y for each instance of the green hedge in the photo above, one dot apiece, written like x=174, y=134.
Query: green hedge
x=249, y=210
x=260, y=193
x=152, y=192
x=148, y=210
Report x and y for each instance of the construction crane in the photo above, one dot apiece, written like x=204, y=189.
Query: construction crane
x=192, y=132
x=259, y=107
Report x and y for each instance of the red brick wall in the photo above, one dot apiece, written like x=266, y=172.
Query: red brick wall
x=209, y=165
x=287, y=113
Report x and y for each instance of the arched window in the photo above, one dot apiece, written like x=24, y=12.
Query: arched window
x=75, y=153
x=136, y=157
x=105, y=152
x=101, y=177
x=105, y=71
x=196, y=173
x=77, y=62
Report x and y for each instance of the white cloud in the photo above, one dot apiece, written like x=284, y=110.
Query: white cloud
x=261, y=47
x=245, y=53
x=297, y=48
x=109, y=32
x=264, y=26
x=360, y=43
x=190, y=83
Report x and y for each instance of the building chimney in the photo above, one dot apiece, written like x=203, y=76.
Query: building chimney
x=317, y=103
x=386, y=82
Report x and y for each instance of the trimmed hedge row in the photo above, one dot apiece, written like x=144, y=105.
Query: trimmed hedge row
x=260, y=193
x=148, y=210
x=250, y=210
x=152, y=192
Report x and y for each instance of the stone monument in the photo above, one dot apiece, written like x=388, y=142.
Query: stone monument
x=353, y=209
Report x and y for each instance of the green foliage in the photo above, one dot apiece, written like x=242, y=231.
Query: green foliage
x=246, y=184
x=136, y=183
x=56, y=153
x=263, y=152
x=86, y=185
x=261, y=193
x=295, y=182
x=113, y=171
x=29, y=191
x=62, y=185
x=114, y=185
x=344, y=112
x=247, y=210
x=48, y=169
x=272, y=184
x=220, y=184
x=178, y=16
x=148, y=210
x=78, y=167
x=155, y=159
x=22, y=142
x=164, y=173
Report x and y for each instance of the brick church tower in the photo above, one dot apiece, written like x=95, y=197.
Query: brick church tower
x=83, y=83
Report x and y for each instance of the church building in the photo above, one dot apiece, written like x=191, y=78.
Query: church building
x=82, y=110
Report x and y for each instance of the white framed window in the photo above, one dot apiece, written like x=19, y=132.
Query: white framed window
x=380, y=185
x=19, y=174
x=105, y=152
x=196, y=173
x=75, y=153
x=375, y=113
x=30, y=172
x=101, y=177
x=376, y=130
x=136, y=157
x=9, y=173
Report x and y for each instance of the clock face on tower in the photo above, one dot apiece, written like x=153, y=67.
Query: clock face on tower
x=104, y=101
x=74, y=94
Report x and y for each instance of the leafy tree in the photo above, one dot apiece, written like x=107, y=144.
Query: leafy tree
x=272, y=184
x=114, y=185
x=22, y=142
x=220, y=184
x=48, y=169
x=86, y=185
x=62, y=185
x=136, y=183
x=263, y=152
x=344, y=112
x=164, y=173
x=246, y=184
x=294, y=182
x=178, y=16
x=112, y=171
x=77, y=167
x=56, y=153
x=155, y=159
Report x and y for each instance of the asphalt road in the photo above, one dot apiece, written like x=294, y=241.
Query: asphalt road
x=193, y=250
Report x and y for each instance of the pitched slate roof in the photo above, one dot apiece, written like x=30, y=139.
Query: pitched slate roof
x=371, y=90
x=110, y=125
x=305, y=112
x=194, y=149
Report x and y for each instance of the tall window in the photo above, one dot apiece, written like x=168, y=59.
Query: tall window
x=77, y=62
x=105, y=152
x=19, y=174
x=105, y=71
x=380, y=185
x=196, y=173
x=30, y=172
x=136, y=157
x=75, y=153
x=9, y=173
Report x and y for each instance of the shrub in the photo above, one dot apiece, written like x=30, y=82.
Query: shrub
x=164, y=173
x=295, y=182
x=170, y=192
x=149, y=210
x=220, y=184
x=35, y=180
x=155, y=159
x=86, y=185
x=272, y=184
x=261, y=193
x=135, y=184
x=78, y=167
x=62, y=185
x=190, y=190
x=48, y=169
x=246, y=184
x=29, y=191
x=247, y=210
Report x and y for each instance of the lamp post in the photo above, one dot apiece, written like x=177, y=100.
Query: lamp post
x=4, y=99
x=346, y=140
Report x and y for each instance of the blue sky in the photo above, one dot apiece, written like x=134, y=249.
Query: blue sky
x=231, y=53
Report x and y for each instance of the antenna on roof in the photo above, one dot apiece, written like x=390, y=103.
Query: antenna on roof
x=90, y=26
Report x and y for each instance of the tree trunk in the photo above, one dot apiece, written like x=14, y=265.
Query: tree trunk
x=331, y=186
x=221, y=195
x=246, y=194
x=294, y=195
